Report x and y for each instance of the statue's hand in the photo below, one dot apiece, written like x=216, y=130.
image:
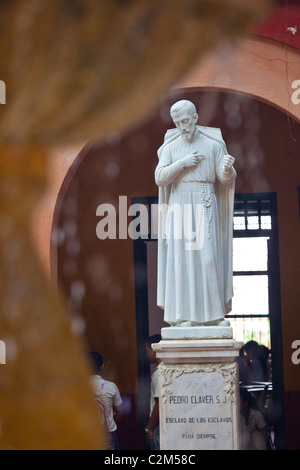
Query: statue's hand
x=192, y=160
x=228, y=162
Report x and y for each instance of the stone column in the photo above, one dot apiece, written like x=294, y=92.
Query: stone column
x=199, y=395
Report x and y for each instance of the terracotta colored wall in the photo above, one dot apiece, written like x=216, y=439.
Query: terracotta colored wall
x=60, y=161
x=259, y=67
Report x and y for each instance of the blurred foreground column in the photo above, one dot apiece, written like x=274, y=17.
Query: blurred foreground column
x=45, y=398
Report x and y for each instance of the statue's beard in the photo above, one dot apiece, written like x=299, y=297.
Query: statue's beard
x=188, y=136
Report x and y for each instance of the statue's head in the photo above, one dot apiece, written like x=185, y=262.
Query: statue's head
x=185, y=118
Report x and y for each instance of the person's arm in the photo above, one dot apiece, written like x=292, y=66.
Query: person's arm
x=263, y=431
x=261, y=426
x=117, y=402
x=154, y=420
x=117, y=410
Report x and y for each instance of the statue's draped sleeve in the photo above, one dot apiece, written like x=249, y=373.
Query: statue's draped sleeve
x=167, y=171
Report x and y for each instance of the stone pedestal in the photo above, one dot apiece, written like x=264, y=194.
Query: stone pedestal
x=199, y=395
x=197, y=332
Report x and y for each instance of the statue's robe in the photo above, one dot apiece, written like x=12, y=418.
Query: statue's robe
x=194, y=274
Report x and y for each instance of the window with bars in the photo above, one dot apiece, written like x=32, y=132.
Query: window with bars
x=253, y=213
x=250, y=315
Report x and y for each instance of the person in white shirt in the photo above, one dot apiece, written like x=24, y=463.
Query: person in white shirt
x=109, y=402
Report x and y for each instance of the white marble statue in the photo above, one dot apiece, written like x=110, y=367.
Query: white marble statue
x=196, y=180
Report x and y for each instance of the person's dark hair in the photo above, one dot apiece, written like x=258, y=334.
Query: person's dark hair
x=96, y=360
x=251, y=345
x=153, y=339
x=258, y=353
x=266, y=351
x=248, y=398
